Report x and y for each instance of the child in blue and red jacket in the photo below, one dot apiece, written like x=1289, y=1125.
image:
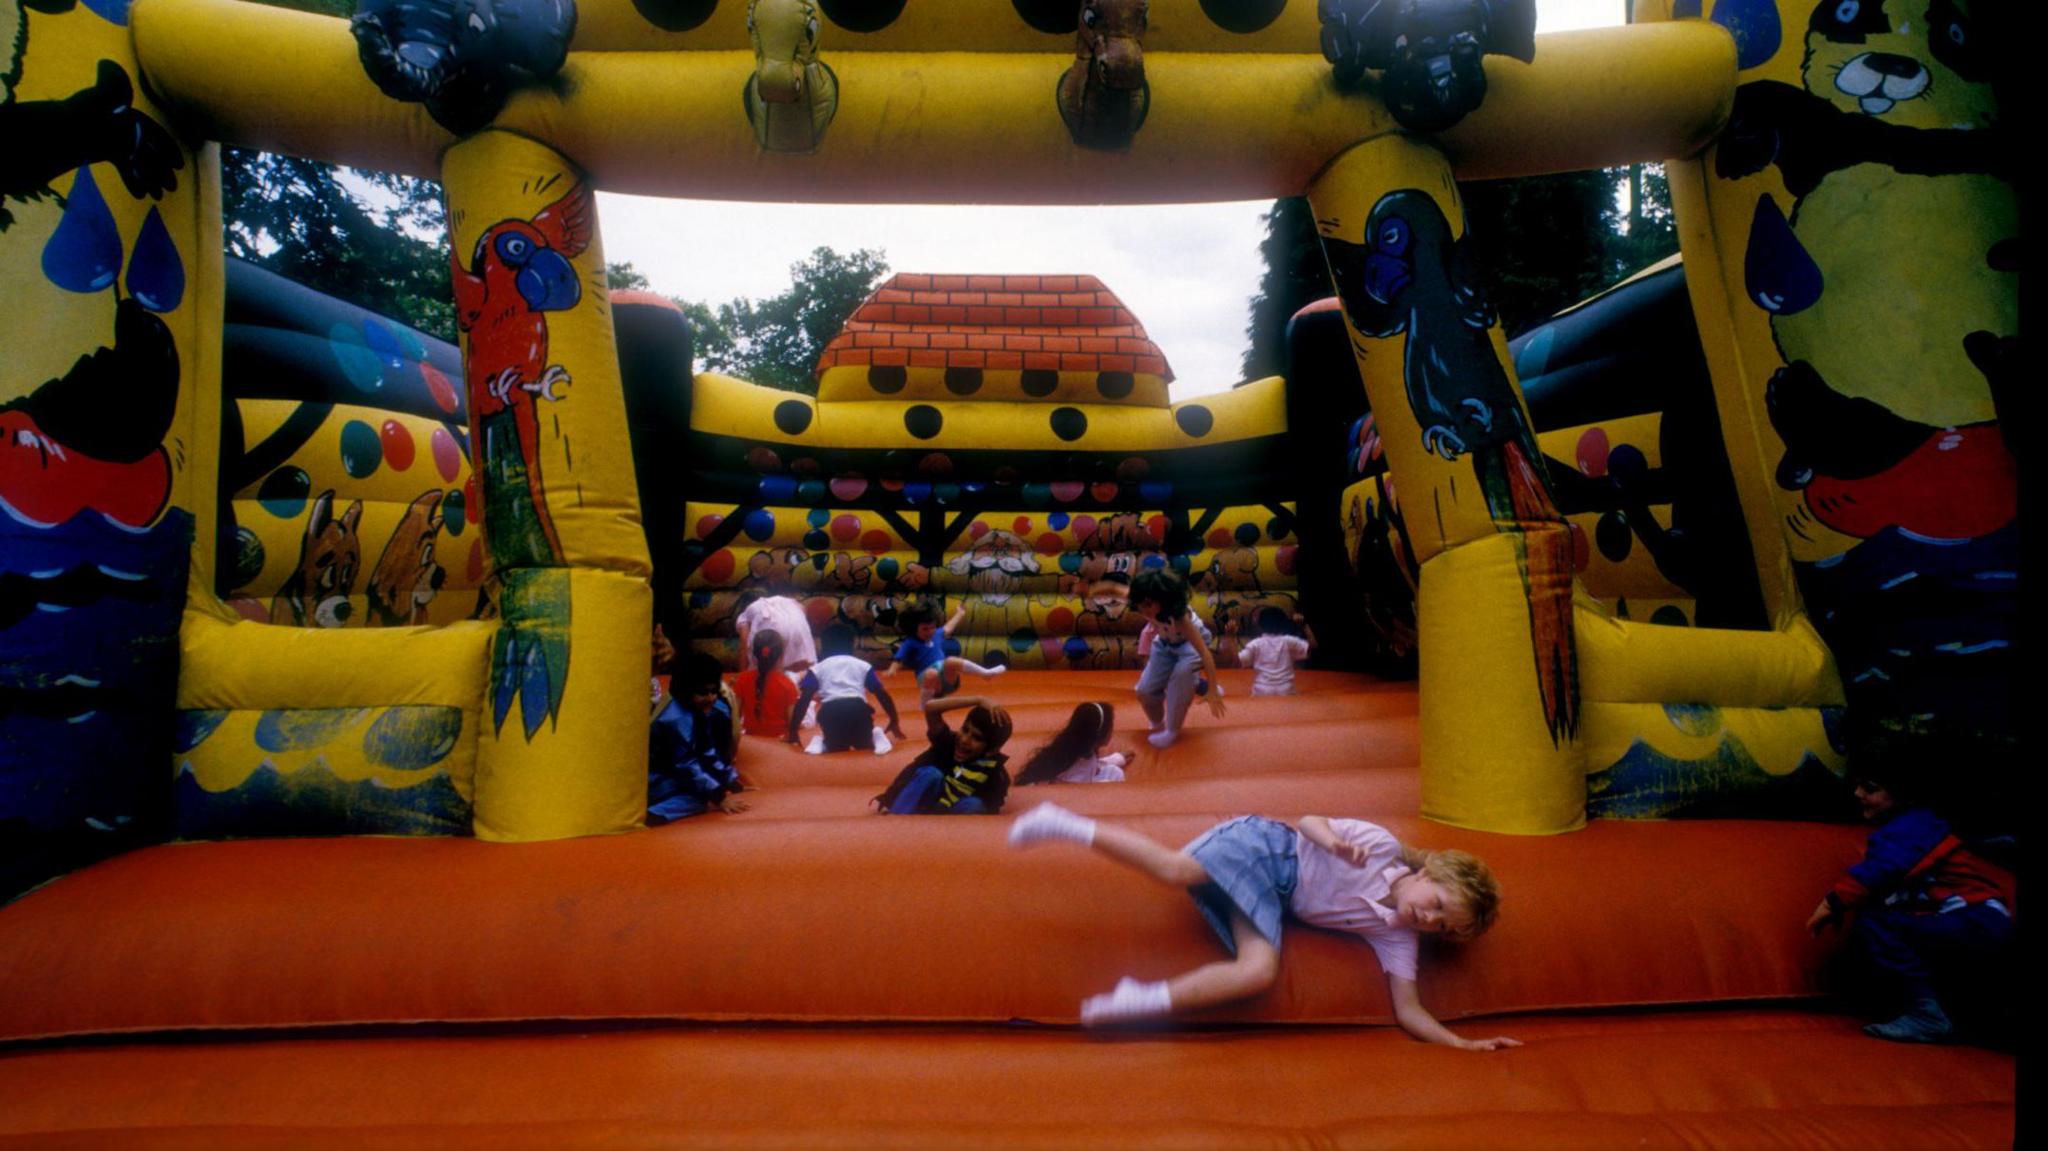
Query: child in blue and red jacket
x=1924, y=900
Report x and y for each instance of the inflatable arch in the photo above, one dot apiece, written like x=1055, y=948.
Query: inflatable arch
x=1510, y=736
x=176, y=552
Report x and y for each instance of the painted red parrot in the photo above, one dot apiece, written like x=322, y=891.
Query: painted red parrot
x=519, y=272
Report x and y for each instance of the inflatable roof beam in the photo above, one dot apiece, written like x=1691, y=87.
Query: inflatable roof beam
x=942, y=126
x=561, y=507
x=1519, y=672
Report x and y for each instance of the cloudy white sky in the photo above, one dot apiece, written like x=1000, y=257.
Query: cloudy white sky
x=1187, y=271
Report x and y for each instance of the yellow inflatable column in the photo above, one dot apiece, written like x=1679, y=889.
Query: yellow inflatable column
x=564, y=748
x=1499, y=676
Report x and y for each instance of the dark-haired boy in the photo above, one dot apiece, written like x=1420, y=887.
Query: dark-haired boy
x=689, y=745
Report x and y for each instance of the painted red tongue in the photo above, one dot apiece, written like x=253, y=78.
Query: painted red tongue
x=46, y=483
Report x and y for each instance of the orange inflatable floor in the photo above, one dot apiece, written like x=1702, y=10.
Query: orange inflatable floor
x=808, y=974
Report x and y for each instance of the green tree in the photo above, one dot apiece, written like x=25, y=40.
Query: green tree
x=1545, y=242
x=776, y=342
x=1295, y=277
x=381, y=244
x=376, y=239
x=623, y=277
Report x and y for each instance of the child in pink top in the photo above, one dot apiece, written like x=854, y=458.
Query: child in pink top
x=1248, y=873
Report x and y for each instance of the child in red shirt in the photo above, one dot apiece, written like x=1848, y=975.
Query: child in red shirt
x=766, y=693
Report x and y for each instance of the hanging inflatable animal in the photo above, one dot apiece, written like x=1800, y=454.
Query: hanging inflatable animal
x=792, y=96
x=1428, y=52
x=1103, y=96
x=461, y=58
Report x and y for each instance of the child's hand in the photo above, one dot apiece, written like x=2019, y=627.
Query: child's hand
x=1495, y=1043
x=732, y=805
x=1215, y=698
x=1351, y=853
x=1824, y=915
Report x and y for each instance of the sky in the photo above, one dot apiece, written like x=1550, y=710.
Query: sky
x=1188, y=271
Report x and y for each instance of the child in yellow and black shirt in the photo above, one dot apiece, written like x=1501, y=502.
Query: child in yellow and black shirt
x=961, y=773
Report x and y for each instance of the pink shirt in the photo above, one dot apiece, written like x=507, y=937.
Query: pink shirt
x=1108, y=769
x=1331, y=891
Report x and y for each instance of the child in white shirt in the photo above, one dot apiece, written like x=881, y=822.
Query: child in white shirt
x=1274, y=653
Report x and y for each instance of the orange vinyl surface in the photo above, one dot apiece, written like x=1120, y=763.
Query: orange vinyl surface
x=1695, y=1080
x=889, y=952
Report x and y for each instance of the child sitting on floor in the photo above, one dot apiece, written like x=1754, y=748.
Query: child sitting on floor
x=690, y=746
x=961, y=773
x=1927, y=905
x=1275, y=651
x=923, y=652
x=1080, y=752
x=1179, y=657
x=1249, y=872
x=766, y=693
x=842, y=683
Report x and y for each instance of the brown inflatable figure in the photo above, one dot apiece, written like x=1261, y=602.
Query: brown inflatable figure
x=1103, y=97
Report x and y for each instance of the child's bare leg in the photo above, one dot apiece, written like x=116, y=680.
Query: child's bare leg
x=1050, y=821
x=1180, y=694
x=1256, y=967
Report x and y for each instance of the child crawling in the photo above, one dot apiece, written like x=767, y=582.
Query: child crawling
x=1247, y=873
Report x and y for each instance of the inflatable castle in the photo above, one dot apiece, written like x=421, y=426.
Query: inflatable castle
x=324, y=643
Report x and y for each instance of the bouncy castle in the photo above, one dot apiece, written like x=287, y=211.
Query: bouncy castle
x=323, y=643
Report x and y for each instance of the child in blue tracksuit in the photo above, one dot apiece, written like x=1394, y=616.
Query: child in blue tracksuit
x=690, y=745
x=1925, y=903
x=1180, y=664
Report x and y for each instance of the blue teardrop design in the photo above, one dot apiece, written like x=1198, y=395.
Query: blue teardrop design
x=156, y=274
x=1776, y=270
x=112, y=11
x=1755, y=26
x=84, y=253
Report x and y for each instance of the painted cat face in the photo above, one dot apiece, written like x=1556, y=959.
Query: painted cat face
x=1918, y=63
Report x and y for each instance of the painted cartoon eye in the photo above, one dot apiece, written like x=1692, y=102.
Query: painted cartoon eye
x=1088, y=16
x=1847, y=10
x=1394, y=237
x=1955, y=35
x=514, y=249
x=811, y=29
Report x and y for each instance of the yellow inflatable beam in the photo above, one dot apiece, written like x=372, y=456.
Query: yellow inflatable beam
x=945, y=26
x=940, y=127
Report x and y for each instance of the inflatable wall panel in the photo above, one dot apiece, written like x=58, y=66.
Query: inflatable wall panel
x=1866, y=405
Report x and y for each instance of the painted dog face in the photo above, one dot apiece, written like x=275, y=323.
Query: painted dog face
x=996, y=565
x=316, y=594
x=406, y=577
x=1918, y=63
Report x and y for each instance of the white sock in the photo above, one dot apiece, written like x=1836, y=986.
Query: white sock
x=1162, y=739
x=984, y=672
x=1048, y=822
x=882, y=744
x=817, y=745
x=1130, y=1000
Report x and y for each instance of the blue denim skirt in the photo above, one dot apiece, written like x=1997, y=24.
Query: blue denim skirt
x=1252, y=869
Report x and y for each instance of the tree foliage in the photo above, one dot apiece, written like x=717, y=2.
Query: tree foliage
x=776, y=342
x=1546, y=243
x=381, y=244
